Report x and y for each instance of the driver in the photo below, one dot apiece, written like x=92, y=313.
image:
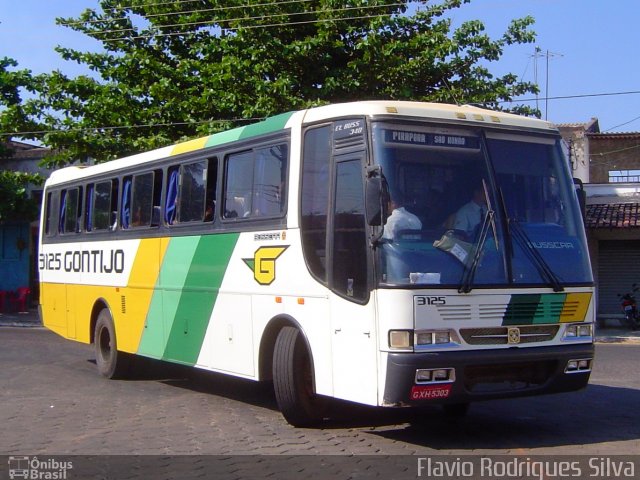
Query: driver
x=400, y=219
x=471, y=214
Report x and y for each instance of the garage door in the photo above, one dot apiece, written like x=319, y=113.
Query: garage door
x=618, y=268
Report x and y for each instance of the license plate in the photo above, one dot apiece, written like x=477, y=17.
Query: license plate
x=628, y=308
x=430, y=392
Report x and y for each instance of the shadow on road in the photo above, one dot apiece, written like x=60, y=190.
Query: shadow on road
x=596, y=415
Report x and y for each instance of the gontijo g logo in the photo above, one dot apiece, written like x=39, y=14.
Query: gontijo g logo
x=263, y=263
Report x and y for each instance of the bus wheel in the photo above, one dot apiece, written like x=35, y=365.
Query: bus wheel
x=293, y=382
x=111, y=363
x=456, y=410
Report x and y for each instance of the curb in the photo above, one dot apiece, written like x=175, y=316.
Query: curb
x=29, y=319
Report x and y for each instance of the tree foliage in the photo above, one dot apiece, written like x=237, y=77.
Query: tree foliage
x=15, y=115
x=174, y=70
x=15, y=203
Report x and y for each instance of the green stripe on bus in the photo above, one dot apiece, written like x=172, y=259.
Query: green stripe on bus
x=164, y=303
x=531, y=309
x=201, y=287
x=270, y=125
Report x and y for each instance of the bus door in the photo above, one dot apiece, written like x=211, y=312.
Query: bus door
x=352, y=314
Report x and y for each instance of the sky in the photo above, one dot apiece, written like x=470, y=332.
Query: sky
x=592, y=47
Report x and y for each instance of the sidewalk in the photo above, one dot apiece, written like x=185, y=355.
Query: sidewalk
x=613, y=333
x=29, y=319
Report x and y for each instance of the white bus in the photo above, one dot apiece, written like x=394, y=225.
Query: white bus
x=333, y=251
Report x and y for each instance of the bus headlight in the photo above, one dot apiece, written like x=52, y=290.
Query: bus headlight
x=400, y=339
x=427, y=338
x=578, y=331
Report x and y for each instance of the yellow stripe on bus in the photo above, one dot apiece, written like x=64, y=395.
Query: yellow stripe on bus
x=67, y=308
x=136, y=298
x=189, y=146
x=575, y=307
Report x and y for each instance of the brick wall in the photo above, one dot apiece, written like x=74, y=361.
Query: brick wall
x=616, y=151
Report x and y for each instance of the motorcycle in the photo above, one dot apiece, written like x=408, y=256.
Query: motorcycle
x=630, y=308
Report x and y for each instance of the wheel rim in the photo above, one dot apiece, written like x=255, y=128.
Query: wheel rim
x=104, y=344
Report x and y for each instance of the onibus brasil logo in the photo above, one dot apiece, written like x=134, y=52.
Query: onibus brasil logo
x=32, y=468
x=263, y=263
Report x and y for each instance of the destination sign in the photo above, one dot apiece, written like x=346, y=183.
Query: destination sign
x=407, y=137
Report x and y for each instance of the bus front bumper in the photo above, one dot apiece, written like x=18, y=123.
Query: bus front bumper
x=415, y=379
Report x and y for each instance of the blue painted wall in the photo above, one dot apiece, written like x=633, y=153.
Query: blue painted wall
x=14, y=255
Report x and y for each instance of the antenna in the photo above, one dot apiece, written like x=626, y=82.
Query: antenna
x=538, y=53
x=453, y=95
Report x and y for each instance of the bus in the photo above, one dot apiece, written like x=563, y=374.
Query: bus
x=280, y=251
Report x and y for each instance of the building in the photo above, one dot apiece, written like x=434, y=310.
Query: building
x=19, y=239
x=609, y=165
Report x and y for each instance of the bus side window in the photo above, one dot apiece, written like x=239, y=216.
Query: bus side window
x=125, y=213
x=113, y=223
x=238, y=184
x=192, y=194
x=100, y=208
x=70, y=211
x=172, y=196
x=157, y=198
x=88, y=214
x=269, y=181
x=314, y=198
x=212, y=182
x=142, y=200
x=49, y=208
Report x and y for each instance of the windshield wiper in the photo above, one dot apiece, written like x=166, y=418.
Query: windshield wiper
x=538, y=261
x=487, y=222
x=471, y=267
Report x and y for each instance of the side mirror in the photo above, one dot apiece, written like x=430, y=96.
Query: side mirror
x=376, y=197
x=582, y=196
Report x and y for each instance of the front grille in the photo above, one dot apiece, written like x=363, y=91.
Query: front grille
x=500, y=335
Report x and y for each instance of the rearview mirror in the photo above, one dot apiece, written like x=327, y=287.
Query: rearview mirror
x=376, y=197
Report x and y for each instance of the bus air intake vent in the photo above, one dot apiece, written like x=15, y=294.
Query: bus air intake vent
x=500, y=335
x=123, y=303
x=348, y=143
x=455, y=312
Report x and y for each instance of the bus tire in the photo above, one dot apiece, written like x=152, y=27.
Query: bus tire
x=293, y=382
x=111, y=363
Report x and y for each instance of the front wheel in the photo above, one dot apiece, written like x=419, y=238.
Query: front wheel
x=293, y=380
x=111, y=363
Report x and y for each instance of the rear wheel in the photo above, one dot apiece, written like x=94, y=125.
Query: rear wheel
x=111, y=363
x=293, y=380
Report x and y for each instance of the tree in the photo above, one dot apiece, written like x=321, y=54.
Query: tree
x=15, y=115
x=15, y=203
x=174, y=70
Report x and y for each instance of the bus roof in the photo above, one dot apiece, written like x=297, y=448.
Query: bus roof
x=435, y=111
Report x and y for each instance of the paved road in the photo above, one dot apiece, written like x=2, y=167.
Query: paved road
x=52, y=401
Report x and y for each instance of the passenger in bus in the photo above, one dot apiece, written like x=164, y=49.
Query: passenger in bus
x=399, y=219
x=470, y=216
x=137, y=217
x=208, y=214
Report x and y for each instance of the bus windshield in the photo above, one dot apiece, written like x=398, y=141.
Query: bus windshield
x=471, y=208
